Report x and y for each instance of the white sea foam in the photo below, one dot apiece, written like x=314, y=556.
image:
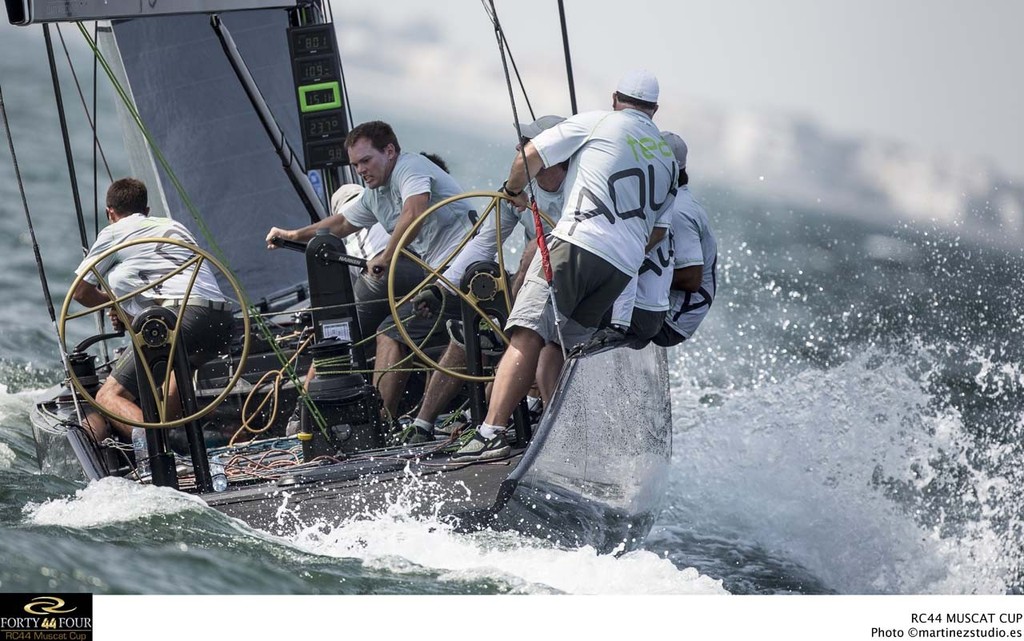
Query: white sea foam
x=110, y=500
x=399, y=543
x=837, y=470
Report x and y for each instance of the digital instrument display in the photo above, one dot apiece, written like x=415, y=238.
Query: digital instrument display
x=318, y=69
x=320, y=126
x=316, y=39
x=322, y=115
x=318, y=97
x=327, y=153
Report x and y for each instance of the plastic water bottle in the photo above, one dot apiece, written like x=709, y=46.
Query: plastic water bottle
x=141, y=451
x=220, y=479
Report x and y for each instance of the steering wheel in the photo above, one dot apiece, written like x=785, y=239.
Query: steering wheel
x=480, y=291
x=116, y=303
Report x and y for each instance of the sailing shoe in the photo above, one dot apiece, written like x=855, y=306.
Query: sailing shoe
x=417, y=436
x=478, y=448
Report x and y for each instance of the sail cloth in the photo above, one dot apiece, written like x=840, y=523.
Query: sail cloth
x=195, y=109
x=597, y=469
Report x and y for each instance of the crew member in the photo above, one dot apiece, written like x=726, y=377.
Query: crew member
x=207, y=320
x=547, y=188
x=621, y=180
x=399, y=188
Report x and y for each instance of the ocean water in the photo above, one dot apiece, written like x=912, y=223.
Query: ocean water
x=846, y=421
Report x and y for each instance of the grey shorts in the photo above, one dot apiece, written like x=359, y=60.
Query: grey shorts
x=646, y=324
x=205, y=332
x=425, y=332
x=586, y=287
x=372, y=294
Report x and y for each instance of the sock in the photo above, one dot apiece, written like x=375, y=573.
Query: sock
x=489, y=431
x=422, y=425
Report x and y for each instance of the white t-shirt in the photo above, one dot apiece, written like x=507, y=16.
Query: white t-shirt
x=694, y=244
x=412, y=175
x=648, y=290
x=132, y=268
x=622, y=180
x=484, y=245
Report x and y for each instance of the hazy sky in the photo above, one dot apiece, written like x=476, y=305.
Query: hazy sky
x=942, y=75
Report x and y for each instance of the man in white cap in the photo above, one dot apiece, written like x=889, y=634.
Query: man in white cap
x=622, y=180
x=695, y=250
x=547, y=188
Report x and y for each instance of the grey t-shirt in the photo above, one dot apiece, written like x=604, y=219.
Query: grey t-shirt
x=412, y=175
x=133, y=268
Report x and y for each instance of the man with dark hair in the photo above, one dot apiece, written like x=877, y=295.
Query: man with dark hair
x=621, y=183
x=399, y=188
x=207, y=321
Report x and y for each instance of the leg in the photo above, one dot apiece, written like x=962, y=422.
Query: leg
x=548, y=369
x=516, y=373
x=390, y=384
x=96, y=425
x=442, y=388
x=115, y=398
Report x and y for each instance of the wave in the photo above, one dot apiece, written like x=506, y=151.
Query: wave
x=397, y=543
x=110, y=500
x=857, y=474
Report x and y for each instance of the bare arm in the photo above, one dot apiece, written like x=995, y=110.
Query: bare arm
x=336, y=225
x=412, y=208
x=656, y=236
x=517, y=175
x=688, y=279
x=88, y=295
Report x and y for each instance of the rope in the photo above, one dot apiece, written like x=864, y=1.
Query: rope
x=272, y=395
x=38, y=256
x=542, y=245
x=88, y=114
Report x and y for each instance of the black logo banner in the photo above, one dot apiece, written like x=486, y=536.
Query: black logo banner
x=45, y=616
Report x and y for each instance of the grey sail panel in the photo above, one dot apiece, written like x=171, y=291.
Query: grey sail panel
x=204, y=125
x=597, y=468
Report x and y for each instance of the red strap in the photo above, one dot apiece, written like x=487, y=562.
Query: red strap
x=542, y=244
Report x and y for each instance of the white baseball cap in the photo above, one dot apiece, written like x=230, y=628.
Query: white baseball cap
x=640, y=84
x=678, y=146
x=530, y=130
x=343, y=196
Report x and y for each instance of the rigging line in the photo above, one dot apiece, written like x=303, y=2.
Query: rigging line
x=95, y=144
x=88, y=117
x=568, y=58
x=504, y=42
x=69, y=155
x=39, y=258
x=67, y=141
x=515, y=68
x=542, y=245
x=161, y=159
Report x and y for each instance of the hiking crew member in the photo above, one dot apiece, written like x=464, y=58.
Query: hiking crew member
x=207, y=322
x=621, y=183
x=547, y=186
x=694, y=282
